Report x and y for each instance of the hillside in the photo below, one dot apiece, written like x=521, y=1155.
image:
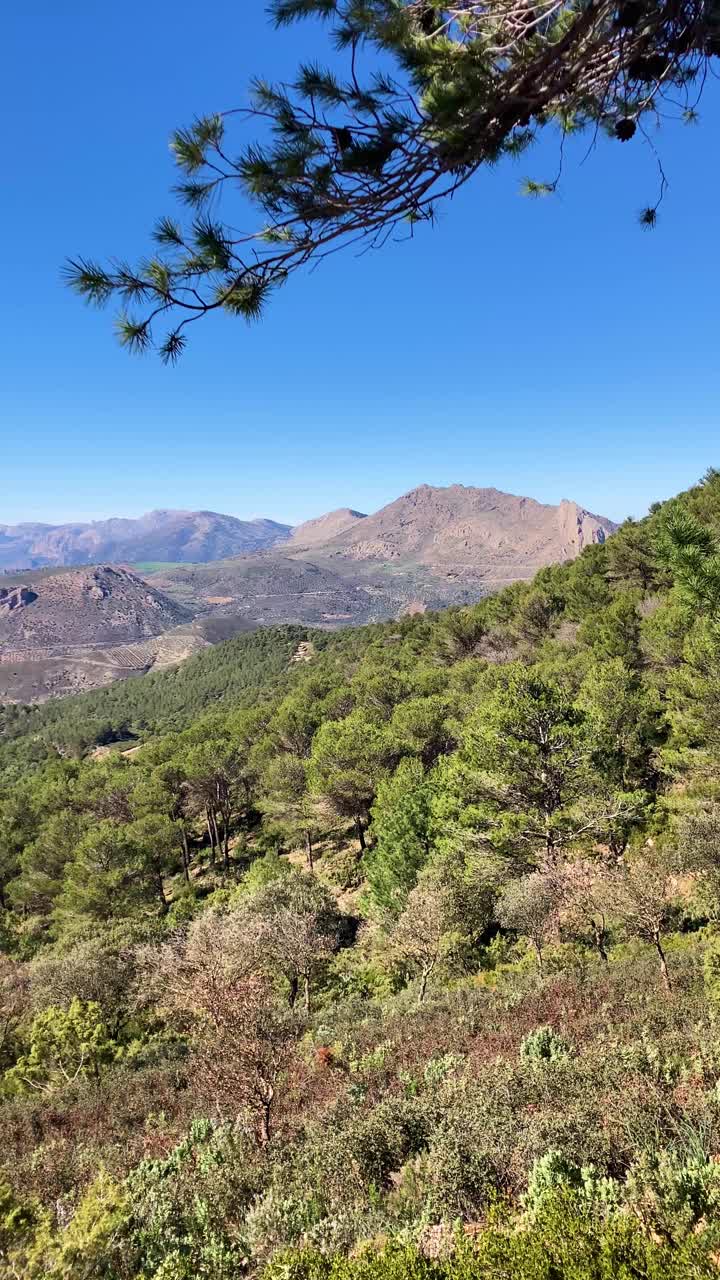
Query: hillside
x=323, y=528
x=99, y=605
x=183, y=536
x=428, y=549
x=379, y=953
x=498, y=536
x=67, y=630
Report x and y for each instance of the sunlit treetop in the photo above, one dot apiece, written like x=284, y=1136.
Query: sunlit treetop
x=430, y=93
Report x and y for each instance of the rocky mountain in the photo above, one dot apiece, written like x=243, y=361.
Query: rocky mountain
x=183, y=536
x=497, y=536
x=96, y=606
x=78, y=627
x=430, y=548
x=324, y=528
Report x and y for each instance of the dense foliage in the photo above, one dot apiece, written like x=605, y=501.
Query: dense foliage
x=401, y=959
x=423, y=95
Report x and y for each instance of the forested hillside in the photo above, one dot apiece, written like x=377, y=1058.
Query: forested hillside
x=389, y=952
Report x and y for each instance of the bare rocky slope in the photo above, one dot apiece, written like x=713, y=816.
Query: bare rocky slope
x=66, y=629
x=184, y=536
x=430, y=548
x=95, y=606
x=497, y=535
x=316, y=532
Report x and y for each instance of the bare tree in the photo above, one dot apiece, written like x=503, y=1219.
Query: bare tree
x=420, y=939
x=296, y=927
x=207, y=977
x=641, y=894
x=14, y=1002
x=585, y=906
x=531, y=906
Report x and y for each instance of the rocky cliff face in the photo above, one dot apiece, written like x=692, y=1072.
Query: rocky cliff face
x=580, y=528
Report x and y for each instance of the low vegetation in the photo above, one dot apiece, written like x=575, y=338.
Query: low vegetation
x=400, y=958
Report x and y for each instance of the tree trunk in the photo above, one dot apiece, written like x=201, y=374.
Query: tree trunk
x=423, y=983
x=294, y=989
x=216, y=834
x=225, y=841
x=309, y=851
x=164, y=904
x=185, y=853
x=539, y=954
x=306, y=994
x=211, y=835
x=664, y=971
x=264, y=1118
x=360, y=834
x=599, y=937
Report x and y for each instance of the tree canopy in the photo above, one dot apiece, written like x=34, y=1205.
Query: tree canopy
x=418, y=97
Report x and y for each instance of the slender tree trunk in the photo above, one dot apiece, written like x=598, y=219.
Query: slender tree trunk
x=185, y=853
x=309, y=851
x=599, y=937
x=306, y=993
x=164, y=904
x=360, y=834
x=225, y=841
x=264, y=1118
x=216, y=833
x=211, y=836
x=664, y=971
x=425, y=974
x=539, y=954
x=294, y=989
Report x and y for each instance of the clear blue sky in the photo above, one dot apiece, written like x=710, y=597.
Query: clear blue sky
x=548, y=348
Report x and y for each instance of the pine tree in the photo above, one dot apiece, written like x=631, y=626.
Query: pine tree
x=453, y=88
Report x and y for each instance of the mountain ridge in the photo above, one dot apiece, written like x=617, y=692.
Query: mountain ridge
x=163, y=534
x=430, y=548
x=326, y=526
x=452, y=524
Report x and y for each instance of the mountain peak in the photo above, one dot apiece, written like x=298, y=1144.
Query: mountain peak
x=323, y=528
x=501, y=535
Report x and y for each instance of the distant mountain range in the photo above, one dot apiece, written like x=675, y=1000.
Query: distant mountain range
x=179, y=536
x=431, y=525
x=430, y=548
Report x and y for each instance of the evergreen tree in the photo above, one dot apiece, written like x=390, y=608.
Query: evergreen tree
x=401, y=819
x=448, y=90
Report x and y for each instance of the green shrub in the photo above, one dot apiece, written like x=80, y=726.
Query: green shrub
x=674, y=1194
x=564, y=1242
x=554, y=1173
x=544, y=1045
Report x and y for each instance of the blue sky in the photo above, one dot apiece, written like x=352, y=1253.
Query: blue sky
x=548, y=348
